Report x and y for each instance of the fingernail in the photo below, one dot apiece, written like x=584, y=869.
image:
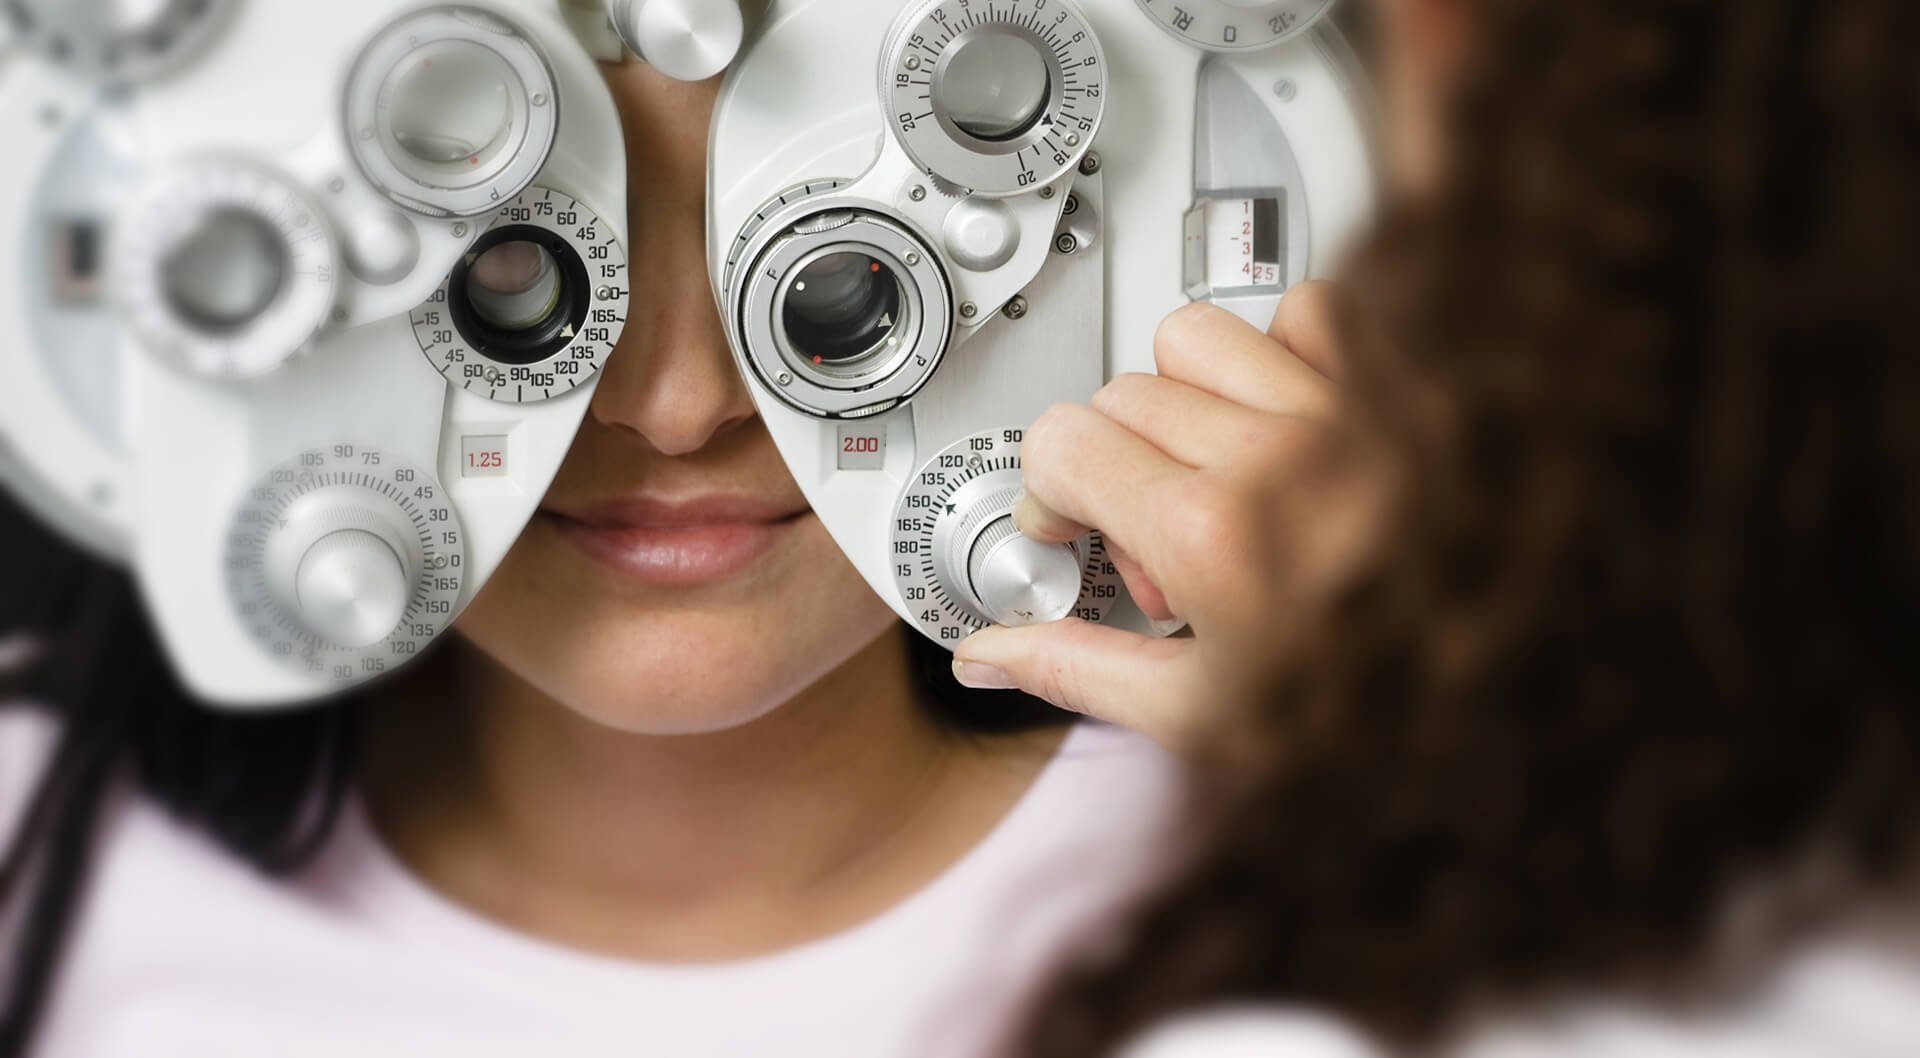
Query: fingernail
x=1022, y=512
x=981, y=677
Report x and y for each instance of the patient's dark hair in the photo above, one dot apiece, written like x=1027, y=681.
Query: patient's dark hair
x=266, y=785
x=1643, y=629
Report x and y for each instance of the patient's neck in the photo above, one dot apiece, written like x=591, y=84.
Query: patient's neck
x=805, y=822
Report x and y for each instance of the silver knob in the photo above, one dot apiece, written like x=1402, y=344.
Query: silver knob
x=352, y=589
x=688, y=40
x=1019, y=580
x=342, y=564
x=991, y=569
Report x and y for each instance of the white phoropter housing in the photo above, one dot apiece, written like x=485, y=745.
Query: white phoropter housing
x=64, y=70
x=911, y=270
x=266, y=383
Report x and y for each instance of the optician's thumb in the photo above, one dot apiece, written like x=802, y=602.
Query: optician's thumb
x=1114, y=675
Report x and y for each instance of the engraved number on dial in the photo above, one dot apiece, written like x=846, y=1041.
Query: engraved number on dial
x=917, y=520
x=601, y=258
x=1236, y=25
x=421, y=506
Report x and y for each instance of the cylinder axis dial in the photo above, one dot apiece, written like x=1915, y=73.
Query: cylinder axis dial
x=960, y=564
x=997, y=99
x=227, y=270
x=345, y=561
x=535, y=306
x=1236, y=25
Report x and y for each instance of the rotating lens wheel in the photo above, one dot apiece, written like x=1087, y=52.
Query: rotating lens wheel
x=227, y=270
x=534, y=308
x=345, y=562
x=452, y=111
x=840, y=312
x=998, y=100
x=961, y=565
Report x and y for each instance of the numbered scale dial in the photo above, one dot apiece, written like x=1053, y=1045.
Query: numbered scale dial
x=961, y=566
x=1236, y=25
x=227, y=270
x=996, y=98
x=345, y=562
x=534, y=307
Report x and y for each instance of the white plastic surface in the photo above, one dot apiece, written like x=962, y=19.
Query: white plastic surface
x=69, y=474
x=800, y=105
x=196, y=449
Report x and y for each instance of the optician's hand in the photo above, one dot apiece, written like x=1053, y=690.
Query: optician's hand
x=1193, y=476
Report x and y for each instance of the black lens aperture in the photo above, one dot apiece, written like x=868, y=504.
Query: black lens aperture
x=565, y=295
x=842, y=307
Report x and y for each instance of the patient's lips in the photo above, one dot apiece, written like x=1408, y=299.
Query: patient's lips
x=677, y=541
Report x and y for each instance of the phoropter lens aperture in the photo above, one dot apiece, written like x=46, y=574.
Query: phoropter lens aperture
x=452, y=107
x=520, y=295
x=995, y=86
x=515, y=286
x=226, y=272
x=842, y=308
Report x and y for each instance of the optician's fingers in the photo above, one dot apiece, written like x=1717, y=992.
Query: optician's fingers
x=1211, y=349
x=1146, y=594
x=1083, y=470
x=1200, y=429
x=1120, y=677
x=1036, y=521
x=1307, y=324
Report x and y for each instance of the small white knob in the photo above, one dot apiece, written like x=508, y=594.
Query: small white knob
x=981, y=233
x=352, y=589
x=688, y=40
x=1021, y=581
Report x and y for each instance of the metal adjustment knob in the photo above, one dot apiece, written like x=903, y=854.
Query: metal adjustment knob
x=688, y=40
x=345, y=560
x=351, y=588
x=1005, y=577
x=226, y=270
x=342, y=566
x=962, y=564
x=1019, y=580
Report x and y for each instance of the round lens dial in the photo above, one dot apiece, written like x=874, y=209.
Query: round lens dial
x=1236, y=25
x=536, y=305
x=227, y=270
x=997, y=99
x=452, y=111
x=345, y=561
x=842, y=312
x=959, y=566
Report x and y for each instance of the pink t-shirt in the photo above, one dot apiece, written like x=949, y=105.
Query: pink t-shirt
x=181, y=950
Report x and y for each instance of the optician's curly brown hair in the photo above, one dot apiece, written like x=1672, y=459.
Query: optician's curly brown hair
x=1644, y=631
